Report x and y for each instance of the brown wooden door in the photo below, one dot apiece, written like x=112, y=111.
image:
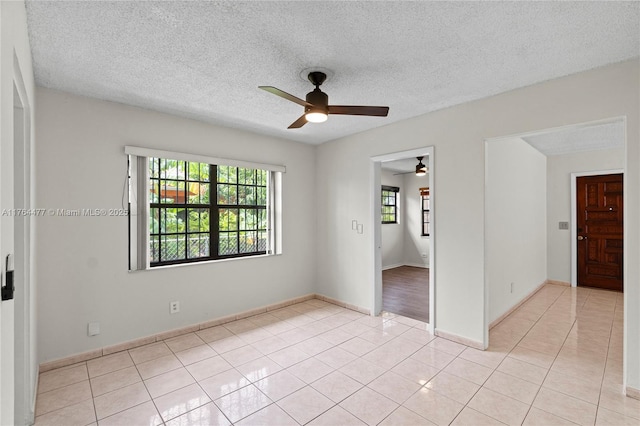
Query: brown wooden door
x=599, y=226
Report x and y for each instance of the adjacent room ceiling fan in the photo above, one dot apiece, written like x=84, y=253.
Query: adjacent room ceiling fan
x=316, y=106
x=421, y=169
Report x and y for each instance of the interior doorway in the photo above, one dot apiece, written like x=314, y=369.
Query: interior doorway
x=549, y=162
x=403, y=214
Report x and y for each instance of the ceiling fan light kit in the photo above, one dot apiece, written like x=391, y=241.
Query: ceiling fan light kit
x=421, y=169
x=316, y=105
x=316, y=117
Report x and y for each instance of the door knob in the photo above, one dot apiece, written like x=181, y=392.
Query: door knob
x=580, y=238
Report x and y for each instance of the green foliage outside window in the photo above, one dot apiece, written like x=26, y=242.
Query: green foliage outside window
x=184, y=202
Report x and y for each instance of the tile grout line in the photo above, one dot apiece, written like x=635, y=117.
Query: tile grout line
x=253, y=382
x=197, y=382
x=274, y=402
x=141, y=381
x=589, y=292
x=147, y=388
x=561, y=346
x=604, y=373
x=514, y=346
x=93, y=400
x=424, y=385
x=338, y=369
x=554, y=358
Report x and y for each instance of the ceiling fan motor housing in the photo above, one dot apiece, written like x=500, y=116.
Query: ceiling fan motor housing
x=319, y=100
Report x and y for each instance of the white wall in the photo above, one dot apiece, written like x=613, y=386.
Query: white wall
x=82, y=261
x=346, y=260
x=515, y=222
x=15, y=66
x=559, y=169
x=393, y=233
x=415, y=245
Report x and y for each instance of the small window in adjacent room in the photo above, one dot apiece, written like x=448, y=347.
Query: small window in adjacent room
x=425, y=204
x=188, y=210
x=390, y=204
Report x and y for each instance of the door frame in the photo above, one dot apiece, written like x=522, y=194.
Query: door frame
x=375, y=206
x=25, y=366
x=574, y=213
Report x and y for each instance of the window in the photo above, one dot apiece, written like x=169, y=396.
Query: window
x=193, y=208
x=426, y=218
x=390, y=204
x=194, y=217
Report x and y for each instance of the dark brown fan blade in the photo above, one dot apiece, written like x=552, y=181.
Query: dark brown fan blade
x=298, y=123
x=285, y=95
x=376, y=111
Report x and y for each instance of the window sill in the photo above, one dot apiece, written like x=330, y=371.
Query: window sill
x=205, y=262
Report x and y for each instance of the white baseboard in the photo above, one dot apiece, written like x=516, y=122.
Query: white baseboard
x=395, y=265
x=524, y=299
x=517, y=305
x=632, y=392
x=343, y=304
x=556, y=282
x=417, y=265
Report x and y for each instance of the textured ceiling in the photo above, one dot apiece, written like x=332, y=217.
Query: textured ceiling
x=579, y=139
x=204, y=60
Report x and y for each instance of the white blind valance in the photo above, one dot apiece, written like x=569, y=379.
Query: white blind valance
x=182, y=156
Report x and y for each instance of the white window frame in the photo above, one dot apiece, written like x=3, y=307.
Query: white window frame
x=138, y=180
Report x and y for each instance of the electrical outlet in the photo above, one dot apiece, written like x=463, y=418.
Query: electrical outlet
x=174, y=307
x=93, y=329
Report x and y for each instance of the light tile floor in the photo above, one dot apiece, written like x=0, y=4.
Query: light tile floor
x=556, y=360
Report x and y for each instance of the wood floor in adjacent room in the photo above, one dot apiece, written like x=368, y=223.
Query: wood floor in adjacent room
x=405, y=291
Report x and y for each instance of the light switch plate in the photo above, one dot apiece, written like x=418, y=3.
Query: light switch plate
x=563, y=225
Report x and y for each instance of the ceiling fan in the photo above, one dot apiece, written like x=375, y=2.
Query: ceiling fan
x=421, y=169
x=316, y=106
